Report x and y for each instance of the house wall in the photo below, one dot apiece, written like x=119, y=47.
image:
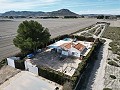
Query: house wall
x=11, y=62
x=65, y=53
x=74, y=52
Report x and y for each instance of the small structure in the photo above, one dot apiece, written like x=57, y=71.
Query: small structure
x=29, y=66
x=11, y=61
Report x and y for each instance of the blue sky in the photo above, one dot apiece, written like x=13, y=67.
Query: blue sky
x=78, y=6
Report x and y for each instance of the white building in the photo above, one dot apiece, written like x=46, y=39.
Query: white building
x=70, y=48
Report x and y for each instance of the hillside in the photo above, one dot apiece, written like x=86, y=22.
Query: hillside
x=62, y=12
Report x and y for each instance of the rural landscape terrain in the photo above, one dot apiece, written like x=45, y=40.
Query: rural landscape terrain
x=96, y=68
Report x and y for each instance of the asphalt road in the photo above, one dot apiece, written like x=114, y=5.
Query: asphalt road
x=56, y=27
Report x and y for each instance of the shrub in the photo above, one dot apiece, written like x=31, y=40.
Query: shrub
x=67, y=86
x=53, y=75
x=3, y=62
x=116, y=59
x=113, y=63
x=107, y=89
x=112, y=76
x=19, y=64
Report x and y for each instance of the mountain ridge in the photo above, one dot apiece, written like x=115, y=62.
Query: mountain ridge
x=61, y=12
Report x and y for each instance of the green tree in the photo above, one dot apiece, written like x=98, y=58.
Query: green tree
x=31, y=35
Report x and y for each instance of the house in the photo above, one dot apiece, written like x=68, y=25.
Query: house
x=69, y=48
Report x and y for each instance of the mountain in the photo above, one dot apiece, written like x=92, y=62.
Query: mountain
x=23, y=13
x=62, y=12
x=0, y=14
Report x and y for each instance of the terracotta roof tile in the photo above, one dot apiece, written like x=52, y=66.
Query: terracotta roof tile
x=67, y=45
x=79, y=46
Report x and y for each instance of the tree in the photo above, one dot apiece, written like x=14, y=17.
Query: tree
x=30, y=36
x=100, y=17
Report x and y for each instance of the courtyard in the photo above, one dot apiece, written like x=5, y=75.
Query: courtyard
x=53, y=60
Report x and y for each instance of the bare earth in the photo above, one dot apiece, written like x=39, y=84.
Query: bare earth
x=7, y=72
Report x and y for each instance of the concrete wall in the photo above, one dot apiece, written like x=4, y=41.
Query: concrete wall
x=74, y=52
x=31, y=68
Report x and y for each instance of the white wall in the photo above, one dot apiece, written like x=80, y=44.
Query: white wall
x=10, y=62
x=65, y=53
x=77, y=52
x=31, y=68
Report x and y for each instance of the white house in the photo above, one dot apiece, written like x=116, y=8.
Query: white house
x=69, y=48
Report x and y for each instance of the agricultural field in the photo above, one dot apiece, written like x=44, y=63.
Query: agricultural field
x=8, y=29
x=112, y=70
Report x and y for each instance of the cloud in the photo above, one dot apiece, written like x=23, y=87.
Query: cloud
x=7, y=5
x=110, y=11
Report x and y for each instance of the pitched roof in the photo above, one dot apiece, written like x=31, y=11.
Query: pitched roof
x=79, y=46
x=67, y=45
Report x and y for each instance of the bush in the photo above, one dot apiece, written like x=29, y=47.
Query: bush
x=112, y=76
x=67, y=86
x=53, y=75
x=19, y=64
x=3, y=62
x=107, y=89
x=113, y=63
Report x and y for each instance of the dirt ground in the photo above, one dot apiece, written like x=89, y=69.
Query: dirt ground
x=7, y=72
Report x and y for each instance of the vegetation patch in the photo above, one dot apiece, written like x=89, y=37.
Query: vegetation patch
x=113, y=63
x=3, y=62
x=113, y=76
x=107, y=89
x=113, y=33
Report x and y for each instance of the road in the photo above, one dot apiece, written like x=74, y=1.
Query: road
x=98, y=72
x=93, y=76
x=56, y=27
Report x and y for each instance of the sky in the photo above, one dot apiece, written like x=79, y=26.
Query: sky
x=77, y=6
